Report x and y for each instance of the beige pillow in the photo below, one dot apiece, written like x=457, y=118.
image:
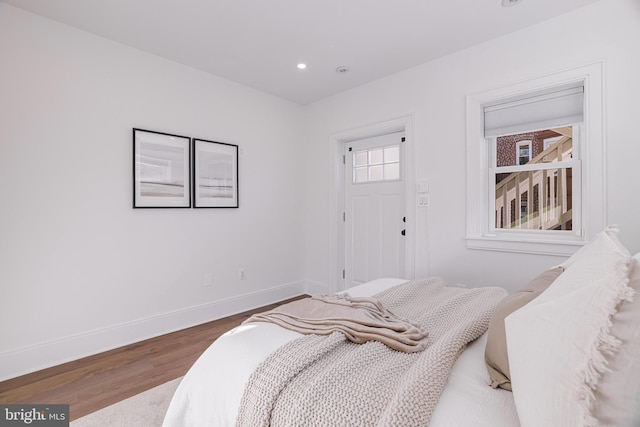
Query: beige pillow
x=495, y=355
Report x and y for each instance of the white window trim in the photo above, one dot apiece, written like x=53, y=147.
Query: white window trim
x=480, y=233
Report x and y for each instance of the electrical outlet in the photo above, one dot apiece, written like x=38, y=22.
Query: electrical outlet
x=207, y=280
x=241, y=274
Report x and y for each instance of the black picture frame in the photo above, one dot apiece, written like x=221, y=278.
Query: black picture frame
x=214, y=174
x=161, y=170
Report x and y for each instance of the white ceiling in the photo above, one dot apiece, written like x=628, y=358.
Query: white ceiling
x=258, y=42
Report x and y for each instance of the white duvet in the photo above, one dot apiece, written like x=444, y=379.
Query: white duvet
x=210, y=393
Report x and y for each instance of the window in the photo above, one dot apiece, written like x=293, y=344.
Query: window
x=376, y=164
x=523, y=151
x=549, y=169
x=531, y=149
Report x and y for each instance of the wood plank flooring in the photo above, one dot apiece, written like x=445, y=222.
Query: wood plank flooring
x=98, y=381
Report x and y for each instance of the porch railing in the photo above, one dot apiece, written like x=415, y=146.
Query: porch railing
x=537, y=199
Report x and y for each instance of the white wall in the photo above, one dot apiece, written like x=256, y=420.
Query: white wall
x=80, y=270
x=435, y=94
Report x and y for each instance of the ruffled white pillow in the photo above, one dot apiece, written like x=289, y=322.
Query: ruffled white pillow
x=559, y=343
x=618, y=394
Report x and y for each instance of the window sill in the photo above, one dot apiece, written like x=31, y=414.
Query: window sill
x=564, y=247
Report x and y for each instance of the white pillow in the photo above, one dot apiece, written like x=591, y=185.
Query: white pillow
x=618, y=394
x=559, y=343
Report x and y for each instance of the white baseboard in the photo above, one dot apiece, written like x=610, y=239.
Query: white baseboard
x=315, y=288
x=21, y=361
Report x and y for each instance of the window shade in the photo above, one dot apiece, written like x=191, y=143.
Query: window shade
x=556, y=107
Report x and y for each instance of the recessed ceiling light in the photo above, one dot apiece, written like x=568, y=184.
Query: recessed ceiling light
x=302, y=66
x=507, y=3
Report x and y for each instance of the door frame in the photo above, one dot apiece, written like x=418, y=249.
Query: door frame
x=337, y=143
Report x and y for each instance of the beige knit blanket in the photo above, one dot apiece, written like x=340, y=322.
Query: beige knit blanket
x=359, y=319
x=330, y=381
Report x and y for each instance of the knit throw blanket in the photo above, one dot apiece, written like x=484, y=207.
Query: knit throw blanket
x=330, y=381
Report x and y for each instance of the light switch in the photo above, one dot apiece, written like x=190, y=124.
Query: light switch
x=423, y=187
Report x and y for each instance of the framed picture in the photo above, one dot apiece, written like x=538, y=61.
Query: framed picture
x=215, y=174
x=161, y=170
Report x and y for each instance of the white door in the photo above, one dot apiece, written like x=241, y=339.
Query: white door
x=374, y=209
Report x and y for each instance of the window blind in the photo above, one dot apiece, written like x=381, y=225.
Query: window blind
x=559, y=106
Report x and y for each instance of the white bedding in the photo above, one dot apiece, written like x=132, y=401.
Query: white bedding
x=210, y=393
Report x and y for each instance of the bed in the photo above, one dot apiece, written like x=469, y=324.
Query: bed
x=550, y=383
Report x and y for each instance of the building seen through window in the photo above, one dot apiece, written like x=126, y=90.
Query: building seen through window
x=533, y=186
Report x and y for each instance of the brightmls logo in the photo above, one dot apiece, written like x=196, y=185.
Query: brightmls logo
x=34, y=415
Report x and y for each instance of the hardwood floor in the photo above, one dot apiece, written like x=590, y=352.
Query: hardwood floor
x=98, y=381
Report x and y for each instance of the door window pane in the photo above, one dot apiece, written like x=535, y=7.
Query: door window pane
x=360, y=174
x=376, y=173
x=360, y=158
x=375, y=156
x=392, y=154
x=377, y=164
x=392, y=171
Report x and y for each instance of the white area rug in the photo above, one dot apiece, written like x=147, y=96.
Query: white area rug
x=146, y=409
